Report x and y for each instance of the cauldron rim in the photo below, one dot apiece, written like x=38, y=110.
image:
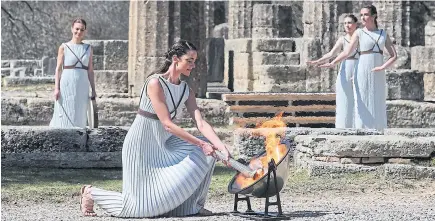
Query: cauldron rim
x=264, y=175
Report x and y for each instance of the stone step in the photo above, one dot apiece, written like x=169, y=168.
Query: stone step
x=366, y=146
x=30, y=146
x=112, y=111
x=249, y=141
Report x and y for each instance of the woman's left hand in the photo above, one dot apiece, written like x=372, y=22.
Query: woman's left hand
x=327, y=65
x=377, y=69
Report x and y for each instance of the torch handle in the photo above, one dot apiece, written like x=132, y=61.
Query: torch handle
x=243, y=169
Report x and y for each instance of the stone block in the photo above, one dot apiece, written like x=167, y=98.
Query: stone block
x=238, y=45
x=411, y=132
x=111, y=81
x=106, y=139
x=112, y=111
x=399, y=161
x=279, y=78
x=97, y=46
x=429, y=34
x=327, y=159
x=117, y=112
x=98, y=62
x=405, y=113
x=264, y=32
x=63, y=159
x=403, y=171
x=243, y=85
x=352, y=160
x=273, y=45
x=116, y=55
x=280, y=73
x=318, y=168
x=27, y=81
x=370, y=160
x=250, y=142
x=22, y=139
x=271, y=21
x=422, y=58
x=370, y=146
x=278, y=58
x=429, y=86
x=405, y=85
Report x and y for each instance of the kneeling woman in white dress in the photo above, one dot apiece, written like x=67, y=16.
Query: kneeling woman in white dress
x=344, y=117
x=370, y=81
x=74, y=75
x=166, y=170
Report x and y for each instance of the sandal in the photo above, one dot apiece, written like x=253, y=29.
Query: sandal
x=86, y=202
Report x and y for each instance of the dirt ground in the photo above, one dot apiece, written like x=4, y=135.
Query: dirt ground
x=304, y=198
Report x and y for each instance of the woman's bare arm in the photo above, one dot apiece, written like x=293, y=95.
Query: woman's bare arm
x=393, y=54
x=91, y=76
x=58, y=73
x=344, y=54
x=202, y=125
x=337, y=47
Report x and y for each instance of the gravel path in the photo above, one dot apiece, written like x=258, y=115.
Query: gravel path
x=402, y=204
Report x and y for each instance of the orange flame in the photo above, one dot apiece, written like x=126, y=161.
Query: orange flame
x=274, y=150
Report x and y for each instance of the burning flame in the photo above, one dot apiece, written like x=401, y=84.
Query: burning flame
x=274, y=150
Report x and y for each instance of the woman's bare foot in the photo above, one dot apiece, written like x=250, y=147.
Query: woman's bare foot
x=86, y=202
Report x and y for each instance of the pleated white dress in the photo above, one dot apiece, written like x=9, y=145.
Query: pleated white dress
x=345, y=101
x=370, y=87
x=162, y=174
x=70, y=110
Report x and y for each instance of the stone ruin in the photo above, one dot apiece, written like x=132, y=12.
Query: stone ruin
x=245, y=46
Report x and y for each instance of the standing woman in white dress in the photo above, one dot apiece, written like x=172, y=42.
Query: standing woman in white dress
x=166, y=170
x=74, y=74
x=370, y=89
x=344, y=117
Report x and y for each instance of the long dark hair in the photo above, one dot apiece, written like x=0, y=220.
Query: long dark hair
x=352, y=16
x=179, y=49
x=373, y=12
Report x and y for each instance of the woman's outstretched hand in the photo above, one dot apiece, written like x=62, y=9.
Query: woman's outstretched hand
x=327, y=65
x=312, y=62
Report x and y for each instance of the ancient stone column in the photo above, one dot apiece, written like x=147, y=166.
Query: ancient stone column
x=429, y=34
x=240, y=19
x=153, y=27
x=148, y=40
x=394, y=17
x=320, y=19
